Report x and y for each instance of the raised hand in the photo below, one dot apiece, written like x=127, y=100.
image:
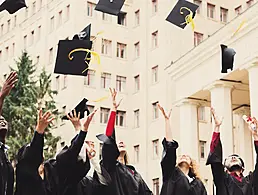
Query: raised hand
x=88, y=120
x=217, y=121
x=72, y=116
x=8, y=84
x=253, y=128
x=113, y=94
x=167, y=116
x=43, y=121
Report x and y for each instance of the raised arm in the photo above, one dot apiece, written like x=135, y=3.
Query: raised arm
x=7, y=87
x=168, y=161
x=215, y=155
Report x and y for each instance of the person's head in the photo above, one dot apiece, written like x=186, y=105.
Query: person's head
x=234, y=163
x=122, y=149
x=91, y=144
x=3, y=128
x=90, y=149
x=41, y=169
x=186, y=162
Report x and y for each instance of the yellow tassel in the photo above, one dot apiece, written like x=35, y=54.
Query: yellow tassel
x=188, y=18
x=100, y=99
x=238, y=29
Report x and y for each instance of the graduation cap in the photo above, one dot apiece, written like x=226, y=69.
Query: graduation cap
x=12, y=6
x=107, y=140
x=182, y=14
x=73, y=57
x=112, y=7
x=81, y=107
x=84, y=34
x=227, y=58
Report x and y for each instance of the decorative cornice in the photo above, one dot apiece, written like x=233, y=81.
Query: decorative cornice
x=244, y=110
x=187, y=101
x=220, y=84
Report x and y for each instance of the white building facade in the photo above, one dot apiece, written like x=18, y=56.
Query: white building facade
x=148, y=60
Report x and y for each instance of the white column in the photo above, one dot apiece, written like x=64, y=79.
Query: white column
x=188, y=128
x=221, y=102
x=243, y=138
x=253, y=88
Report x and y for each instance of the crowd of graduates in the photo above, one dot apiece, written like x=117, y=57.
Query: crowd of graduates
x=66, y=174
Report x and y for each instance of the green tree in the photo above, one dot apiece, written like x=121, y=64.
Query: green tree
x=21, y=106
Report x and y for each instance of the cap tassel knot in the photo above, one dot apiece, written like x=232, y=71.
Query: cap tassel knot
x=188, y=18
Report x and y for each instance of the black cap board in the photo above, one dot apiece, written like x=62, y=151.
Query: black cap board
x=81, y=107
x=227, y=58
x=179, y=13
x=12, y=6
x=112, y=7
x=73, y=57
x=84, y=34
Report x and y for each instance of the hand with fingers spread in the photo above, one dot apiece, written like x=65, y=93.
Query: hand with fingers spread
x=167, y=116
x=75, y=119
x=113, y=94
x=8, y=84
x=253, y=128
x=43, y=121
x=88, y=120
x=217, y=121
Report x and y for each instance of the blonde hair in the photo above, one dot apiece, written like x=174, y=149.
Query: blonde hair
x=194, y=169
x=126, y=158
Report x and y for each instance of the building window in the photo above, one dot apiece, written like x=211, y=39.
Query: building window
x=57, y=83
x=199, y=3
x=2, y=29
x=26, y=12
x=8, y=25
x=121, y=50
x=39, y=33
x=249, y=3
x=106, y=17
x=137, y=50
x=120, y=118
x=1, y=56
x=32, y=37
x=155, y=186
x=64, y=109
x=13, y=49
x=154, y=39
x=67, y=12
x=105, y=80
x=100, y=151
x=202, y=145
x=40, y=4
x=38, y=57
x=155, y=110
x=34, y=7
x=121, y=18
x=51, y=56
x=201, y=113
x=6, y=53
x=137, y=118
x=210, y=11
x=25, y=41
x=137, y=18
x=60, y=18
x=238, y=10
x=155, y=144
x=120, y=83
x=64, y=82
x=89, y=79
x=223, y=15
x=104, y=112
x=52, y=24
x=198, y=38
x=154, y=6
x=15, y=21
x=155, y=74
x=106, y=47
x=137, y=83
x=90, y=9
x=136, y=153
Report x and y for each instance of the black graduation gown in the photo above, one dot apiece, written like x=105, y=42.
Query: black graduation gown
x=6, y=174
x=123, y=181
x=227, y=184
x=58, y=177
x=174, y=180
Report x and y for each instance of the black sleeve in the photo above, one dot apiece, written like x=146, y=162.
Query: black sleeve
x=219, y=175
x=253, y=176
x=110, y=153
x=168, y=161
x=144, y=189
x=33, y=153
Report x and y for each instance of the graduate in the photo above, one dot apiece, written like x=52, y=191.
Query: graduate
x=101, y=179
x=180, y=175
x=58, y=176
x=125, y=179
x=228, y=178
x=6, y=169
